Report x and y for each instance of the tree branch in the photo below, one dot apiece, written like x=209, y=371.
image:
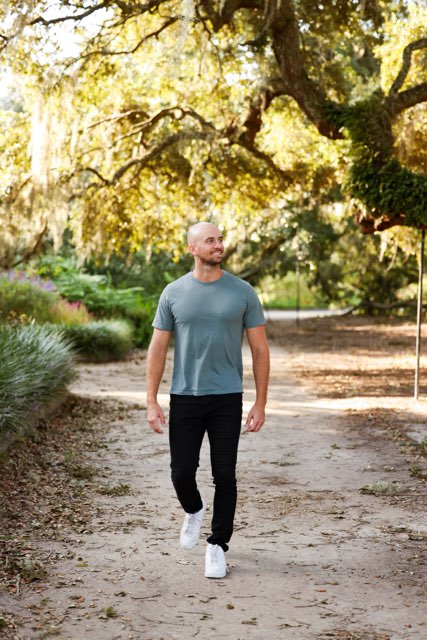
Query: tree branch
x=221, y=13
x=370, y=225
x=149, y=122
x=80, y=16
x=259, y=104
x=284, y=175
x=257, y=265
x=107, y=52
x=406, y=64
x=97, y=174
x=35, y=248
x=143, y=161
x=396, y=103
x=283, y=25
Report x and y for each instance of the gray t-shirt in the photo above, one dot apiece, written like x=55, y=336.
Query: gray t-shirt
x=208, y=320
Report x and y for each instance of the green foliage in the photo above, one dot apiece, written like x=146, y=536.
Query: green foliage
x=95, y=290
x=36, y=365
x=26, y=299
x=70, y=313
x=387, y=188
x=159, y=132
x=152, y=272
x=376, y=178
x=99, y=295
x=369, y=269
x=282, y=293
x=101, y=341
x=21, y=300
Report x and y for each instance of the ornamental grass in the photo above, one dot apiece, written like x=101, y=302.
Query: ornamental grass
x=36, y=365
x=102, y=340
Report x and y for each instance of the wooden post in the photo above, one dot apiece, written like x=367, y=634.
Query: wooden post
x=419, y=317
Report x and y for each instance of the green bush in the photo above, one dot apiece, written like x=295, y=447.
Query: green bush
x=102, y=340
x=105, y=301
x=100, y=297
x=21, y=301
x=26, y=299
x=36, y=365
x=70, y=313
x=141, y=314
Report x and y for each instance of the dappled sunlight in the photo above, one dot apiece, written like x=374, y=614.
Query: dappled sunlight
x=131, y=396
x=400, y=403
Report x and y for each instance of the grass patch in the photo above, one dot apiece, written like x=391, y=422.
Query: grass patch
x=81, y=473
x=382, y=488
x=418, y=472
x=121, y=489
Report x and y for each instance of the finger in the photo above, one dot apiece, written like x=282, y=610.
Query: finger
x=156, y=427
x=256, y=424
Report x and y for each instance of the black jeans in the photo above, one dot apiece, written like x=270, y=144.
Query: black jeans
x=221, y=417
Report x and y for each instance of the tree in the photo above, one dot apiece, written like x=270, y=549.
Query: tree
x=185, y=108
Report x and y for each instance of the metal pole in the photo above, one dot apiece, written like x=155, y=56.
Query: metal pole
x=419, y=317
x=298, y=291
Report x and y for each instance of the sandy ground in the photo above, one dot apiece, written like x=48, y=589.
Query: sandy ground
x=312, y=557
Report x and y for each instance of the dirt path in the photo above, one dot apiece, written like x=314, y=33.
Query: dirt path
x=312, y=556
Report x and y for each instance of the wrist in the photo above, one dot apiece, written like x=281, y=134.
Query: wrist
x=260, y=403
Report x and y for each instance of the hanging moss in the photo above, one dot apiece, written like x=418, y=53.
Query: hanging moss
x=376, y=178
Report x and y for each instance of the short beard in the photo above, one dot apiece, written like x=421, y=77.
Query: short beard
x=210, y=263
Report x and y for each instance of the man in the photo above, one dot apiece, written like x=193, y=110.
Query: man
x=208, y=311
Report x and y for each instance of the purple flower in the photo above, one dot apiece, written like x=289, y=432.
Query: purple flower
x=36, y=281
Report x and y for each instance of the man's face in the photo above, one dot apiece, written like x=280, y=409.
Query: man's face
x=208, y=246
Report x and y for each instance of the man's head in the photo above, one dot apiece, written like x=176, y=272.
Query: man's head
x=205, y=243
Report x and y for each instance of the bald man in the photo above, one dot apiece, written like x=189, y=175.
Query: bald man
x=207, y=311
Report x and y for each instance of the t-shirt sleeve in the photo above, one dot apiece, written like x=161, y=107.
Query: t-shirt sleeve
x=254, y=315
x=163, y=319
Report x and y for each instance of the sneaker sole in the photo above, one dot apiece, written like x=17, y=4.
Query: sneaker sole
x=217, y=576
x=187, y=547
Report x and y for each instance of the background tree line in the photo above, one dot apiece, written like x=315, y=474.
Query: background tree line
x=297, y=125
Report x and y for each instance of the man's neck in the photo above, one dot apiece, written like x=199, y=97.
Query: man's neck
x=207, y=273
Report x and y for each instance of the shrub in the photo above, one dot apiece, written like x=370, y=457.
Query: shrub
x=36, y=365
x=22, y=300
x=70, y=313
x=94, y=290
x=141, y=314
x=100, y=298
x=105, y=301
x=101, y=340
x=26, y=299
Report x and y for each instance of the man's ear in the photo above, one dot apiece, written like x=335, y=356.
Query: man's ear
x=191, y=249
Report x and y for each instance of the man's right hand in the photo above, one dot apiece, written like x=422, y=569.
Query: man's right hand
x=155, y=417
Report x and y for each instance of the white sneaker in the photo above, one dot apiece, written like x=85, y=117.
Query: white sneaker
x=215, y=565
x=190, y=530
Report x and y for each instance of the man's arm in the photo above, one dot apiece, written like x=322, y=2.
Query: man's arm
x=261, y=369
x=156, y=358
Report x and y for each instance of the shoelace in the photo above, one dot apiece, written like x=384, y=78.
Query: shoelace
x=214, y=552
